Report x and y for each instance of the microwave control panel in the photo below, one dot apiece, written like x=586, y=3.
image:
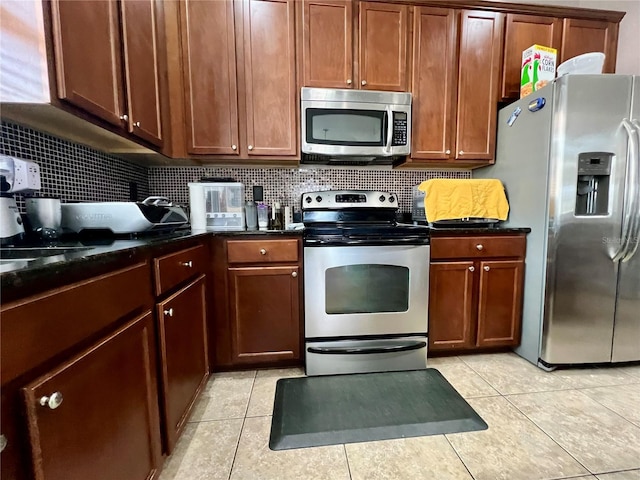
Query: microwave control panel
x=399, y=129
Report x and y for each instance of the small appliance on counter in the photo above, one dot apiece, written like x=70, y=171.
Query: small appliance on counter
x=217, y=206
x=16, y=175
x=152, y=214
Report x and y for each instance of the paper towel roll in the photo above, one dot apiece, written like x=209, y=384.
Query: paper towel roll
x=197, y=214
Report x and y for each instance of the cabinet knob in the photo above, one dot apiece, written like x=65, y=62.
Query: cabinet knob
x=448, y=152
x=234, y=147
x=364, y=82
x=487, y=268
x=479, y=246
x=294, y=274
x=3, y=442
x=136, y=124
x=472, y=269
x=187, y=264
x=168, y=313
x=53, y=401
x=124, y=117
x=250, y=147
x=263, y=251
x=461, y=152
x=349, y=81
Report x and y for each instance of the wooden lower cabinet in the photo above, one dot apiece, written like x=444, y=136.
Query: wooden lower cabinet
x=96, y=415
x=265, y=318
x=475, y=302
x=183, y=350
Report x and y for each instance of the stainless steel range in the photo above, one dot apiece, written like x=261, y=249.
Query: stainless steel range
x=366, y=284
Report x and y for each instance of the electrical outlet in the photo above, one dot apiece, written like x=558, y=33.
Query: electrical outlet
x=33, y=176
x=26, y=175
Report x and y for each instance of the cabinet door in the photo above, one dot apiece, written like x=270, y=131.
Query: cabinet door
x=183, y=350
x=451, y=303
x=107, y=425
x=87, y=55
x=209, y=77
x=264, y=305
x=140, y=40
x=500, y=303
x=522, y=31
x=271, y=94
x=584, y=36
x=433, y=82
x=478, y=84
x=327, y=42
x=384, y=36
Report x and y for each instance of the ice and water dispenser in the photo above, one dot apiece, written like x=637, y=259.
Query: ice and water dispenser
x=592, y=193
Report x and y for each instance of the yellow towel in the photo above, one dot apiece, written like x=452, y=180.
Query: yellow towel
x=450, y=199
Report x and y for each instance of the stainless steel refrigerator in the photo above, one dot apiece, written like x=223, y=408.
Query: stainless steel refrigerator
x=568, y=156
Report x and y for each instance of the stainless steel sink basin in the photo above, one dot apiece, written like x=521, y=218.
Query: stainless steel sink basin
x=33, y=253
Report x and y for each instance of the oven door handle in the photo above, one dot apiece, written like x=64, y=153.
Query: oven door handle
x=401, y=347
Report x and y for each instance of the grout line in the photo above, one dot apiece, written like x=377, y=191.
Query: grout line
x=235, y=452
x=346, y=456
x=458, y=455
x=253, y=382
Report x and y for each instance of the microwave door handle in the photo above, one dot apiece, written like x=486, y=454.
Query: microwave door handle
x=389, y=114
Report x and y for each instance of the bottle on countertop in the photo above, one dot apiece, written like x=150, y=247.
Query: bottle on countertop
x=276, y=217
x=251, y=215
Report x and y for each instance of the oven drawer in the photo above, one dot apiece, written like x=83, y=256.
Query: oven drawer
x=262, y=251
x=363, y=356
x=478, y=246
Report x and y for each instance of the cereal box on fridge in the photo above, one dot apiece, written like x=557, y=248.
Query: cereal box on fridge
x=538, y=68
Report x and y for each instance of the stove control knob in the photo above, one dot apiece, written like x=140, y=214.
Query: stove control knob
x=318, y=198
x=391, y=199
x=382, y=199
x=308, y=199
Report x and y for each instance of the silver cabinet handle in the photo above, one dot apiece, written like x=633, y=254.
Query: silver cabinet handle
x=364, y=82
x=479, y=246
x=472, y=269
x=487, y=268
x=461, y=152
x=136, y=124
x=447, y=152
x=187, y=264
x=234, y=147
x=124, y=117
x=294, y=274
x=3, y=442
x=349, y=81
x=53, y=401
x=250, y=147
x=263, y=251
x=168, y=313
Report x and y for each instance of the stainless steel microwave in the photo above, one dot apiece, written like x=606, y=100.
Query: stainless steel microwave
x=363, y=125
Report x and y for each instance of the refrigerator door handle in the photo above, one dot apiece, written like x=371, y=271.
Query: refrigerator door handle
x=634, y=194
x=629, y=201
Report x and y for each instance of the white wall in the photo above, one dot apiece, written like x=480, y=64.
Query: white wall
x=628, y=59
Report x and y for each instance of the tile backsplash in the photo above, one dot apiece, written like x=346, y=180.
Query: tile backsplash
x=76, y=172
x=72, y=171
x=287, y=184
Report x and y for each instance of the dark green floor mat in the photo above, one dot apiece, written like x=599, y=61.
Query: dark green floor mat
x=335, y=409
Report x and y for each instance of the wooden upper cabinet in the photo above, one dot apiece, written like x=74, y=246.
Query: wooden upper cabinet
x=270, y=89
x=481, y=35
x=140, y=42
x=86, y=42
x=383, y=49
x=584, y=36
x=209, y=76
x=433, y=82
x=522, y=31
x=327, y=43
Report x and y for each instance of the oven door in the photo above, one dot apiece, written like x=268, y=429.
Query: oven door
x=365, y=290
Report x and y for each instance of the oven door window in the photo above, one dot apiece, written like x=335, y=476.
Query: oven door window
x=367, y=288
x=365, y=128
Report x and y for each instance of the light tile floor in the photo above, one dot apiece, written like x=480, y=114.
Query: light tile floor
x=579, y=424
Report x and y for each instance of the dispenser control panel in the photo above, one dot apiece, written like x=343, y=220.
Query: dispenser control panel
x=594, y=163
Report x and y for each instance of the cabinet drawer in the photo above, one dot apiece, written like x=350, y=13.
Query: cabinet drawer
x=37, y=328
x=262, y=251
x=478, y=246
x=175, y=268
